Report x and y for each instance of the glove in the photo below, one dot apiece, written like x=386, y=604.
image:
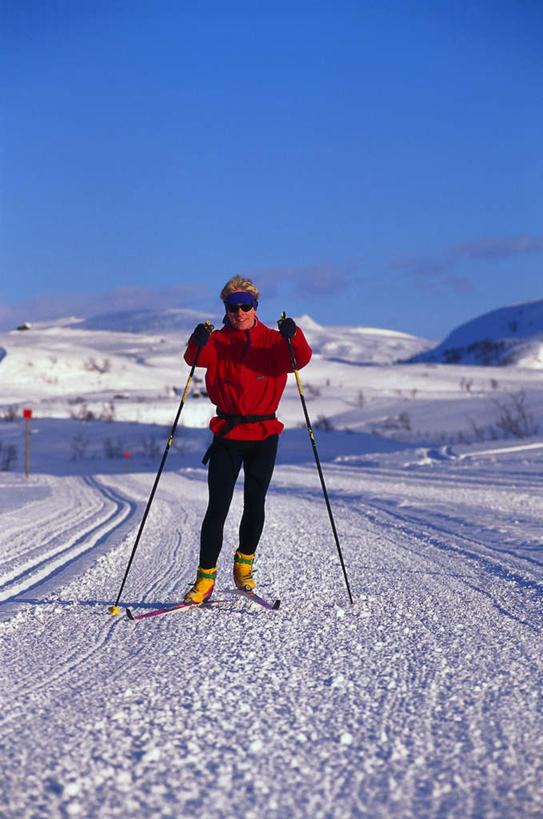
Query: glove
x=287, y=327
x=201, y=334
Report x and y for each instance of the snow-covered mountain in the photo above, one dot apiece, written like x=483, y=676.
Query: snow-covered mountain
x=144, y=321
x=139, y=352
x=361, y=345
x=128, y=367
x=357, y=345
x=512, y=335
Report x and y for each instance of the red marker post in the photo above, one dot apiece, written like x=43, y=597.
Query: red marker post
x=127, y=455
x=27, y=415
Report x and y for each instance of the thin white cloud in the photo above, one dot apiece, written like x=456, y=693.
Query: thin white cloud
x=489, y=249
x=310, y=281
x=437, y=270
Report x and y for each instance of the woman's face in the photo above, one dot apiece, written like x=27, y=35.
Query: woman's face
x=240, y=320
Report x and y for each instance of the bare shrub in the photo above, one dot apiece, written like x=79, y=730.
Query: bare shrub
x=151, y=447
x=483, y=433
x=113, y=449
x=514, y=419
x=198, y=388
x=311, y=392
x=83, y=413
x=323, y=423
x=108, y=412
x=393, y=423
x=8, y=456
x=92, y=365
x=10, y=413
x=479, y=432
x=79, y=444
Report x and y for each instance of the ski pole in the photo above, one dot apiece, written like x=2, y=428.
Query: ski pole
x=317, y=461
x=115, y=608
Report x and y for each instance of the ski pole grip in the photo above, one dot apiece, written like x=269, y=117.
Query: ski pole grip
x=289, y=342
x=209, y=327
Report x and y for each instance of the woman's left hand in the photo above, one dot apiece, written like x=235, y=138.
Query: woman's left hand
x=287, y=328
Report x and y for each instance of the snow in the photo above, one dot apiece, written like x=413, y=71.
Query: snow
x=424, y=699
x=361, y=345
x=510, y=335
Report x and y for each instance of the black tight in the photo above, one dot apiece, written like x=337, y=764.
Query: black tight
x=227, y=456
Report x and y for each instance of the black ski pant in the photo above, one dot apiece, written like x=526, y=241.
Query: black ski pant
x=226, y=458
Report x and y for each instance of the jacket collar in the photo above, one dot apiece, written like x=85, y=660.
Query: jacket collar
x=232, y=331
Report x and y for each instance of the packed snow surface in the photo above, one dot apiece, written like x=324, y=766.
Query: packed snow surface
x=423, y=699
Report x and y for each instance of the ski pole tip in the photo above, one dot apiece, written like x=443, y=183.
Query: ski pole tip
x=114, y=610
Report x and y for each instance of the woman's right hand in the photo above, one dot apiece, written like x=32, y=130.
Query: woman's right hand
x=201, y=334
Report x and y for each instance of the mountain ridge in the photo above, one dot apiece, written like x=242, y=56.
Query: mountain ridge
x=507, y=336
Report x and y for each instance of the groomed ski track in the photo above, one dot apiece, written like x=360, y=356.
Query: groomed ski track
x=422, y=700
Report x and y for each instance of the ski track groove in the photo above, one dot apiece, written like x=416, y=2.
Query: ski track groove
x=445, y=538
x=73, y=541
x=411, y=527
x=65, y=665
x=170, y=525
x=62, y=517
x=119, y=509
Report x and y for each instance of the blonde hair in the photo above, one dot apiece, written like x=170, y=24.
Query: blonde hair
x=239, y=283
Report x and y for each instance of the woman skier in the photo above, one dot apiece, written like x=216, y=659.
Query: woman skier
x=247, y=365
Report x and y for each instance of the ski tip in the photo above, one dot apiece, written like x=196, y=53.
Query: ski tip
x=276, y=605
x=130, y=615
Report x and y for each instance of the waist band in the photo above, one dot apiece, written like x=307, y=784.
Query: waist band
x=233, y=421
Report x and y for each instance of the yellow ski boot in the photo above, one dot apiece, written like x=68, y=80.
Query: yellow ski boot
x=203, y=588
x=243, y=571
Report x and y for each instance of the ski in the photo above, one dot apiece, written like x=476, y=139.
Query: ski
x=240, y=593
x=273, y=605
x=206, y=605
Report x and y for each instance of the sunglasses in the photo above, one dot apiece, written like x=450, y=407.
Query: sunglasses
x=233, y=308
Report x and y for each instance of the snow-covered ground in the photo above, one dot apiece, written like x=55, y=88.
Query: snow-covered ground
x=424, y=699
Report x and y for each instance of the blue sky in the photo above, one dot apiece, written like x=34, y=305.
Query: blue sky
x=367, y=163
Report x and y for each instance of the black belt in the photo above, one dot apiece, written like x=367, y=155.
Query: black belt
x=233, y=421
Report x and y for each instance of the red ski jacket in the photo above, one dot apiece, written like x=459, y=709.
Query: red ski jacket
x=246, y=375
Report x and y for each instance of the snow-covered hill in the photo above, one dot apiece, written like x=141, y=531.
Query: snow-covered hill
x=128, y=368
x=509, y=336
x=361, y=345
x=134, y=360
x=149, y=322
